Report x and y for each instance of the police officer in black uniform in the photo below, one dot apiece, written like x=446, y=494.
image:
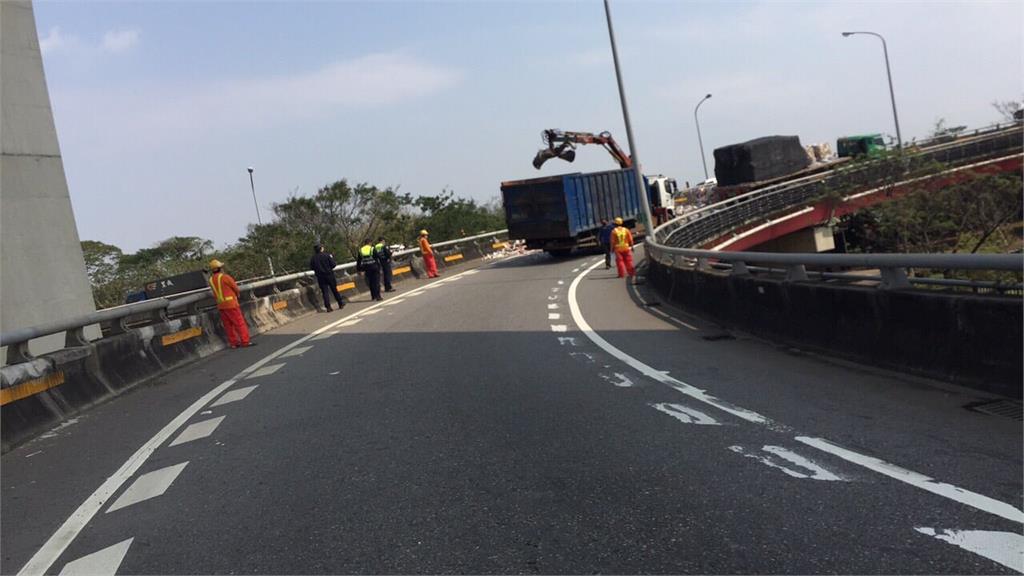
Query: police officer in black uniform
x=323, y=265
x=382, y=253
x=370, y=267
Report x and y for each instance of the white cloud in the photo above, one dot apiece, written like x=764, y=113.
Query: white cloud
x=56, y=40
x=120, y=40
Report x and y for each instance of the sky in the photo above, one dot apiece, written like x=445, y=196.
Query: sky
x=160, y=107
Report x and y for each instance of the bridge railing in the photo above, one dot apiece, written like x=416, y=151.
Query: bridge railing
x=121, y=318
x=709, y=223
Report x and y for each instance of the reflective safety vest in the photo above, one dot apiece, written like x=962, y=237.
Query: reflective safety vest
x=621, y=239
x=366, y=251
x=378, y=249
x=224, y=301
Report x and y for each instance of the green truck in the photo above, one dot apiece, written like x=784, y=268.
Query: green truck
x=864, y=145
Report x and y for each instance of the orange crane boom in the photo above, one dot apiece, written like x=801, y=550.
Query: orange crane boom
x=561, y=144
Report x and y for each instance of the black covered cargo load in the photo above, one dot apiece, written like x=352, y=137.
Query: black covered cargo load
x=759, y=159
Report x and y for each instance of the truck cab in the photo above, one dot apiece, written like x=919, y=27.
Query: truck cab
x=864, y=145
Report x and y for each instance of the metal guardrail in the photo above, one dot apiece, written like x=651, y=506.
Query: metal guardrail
x=158, y=308
x=677, y=241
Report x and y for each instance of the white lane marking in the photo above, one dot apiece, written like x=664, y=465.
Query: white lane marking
x=685, y=414
x=972, y=499
x=205, y=412
x=562, y=282
x=296, y=352
x=266, y=370
x=370, y=312
x=575, y=270
x=33, y=454
x=100, y=563
x=351, y=322
x=1006, y=548
x=563, y=340
x=767, y=462
x=658, y=375
x=817, y=472
x=395, y=301
x=552, y=306
x=335, y=373
x=470, y=272
x=197, y=431
x=323, y=336
x=554, y=316
x=149, y=485
x=555, y=289
x=552, y=297
x=58, y=542
x=559, y=328
x=233, y=396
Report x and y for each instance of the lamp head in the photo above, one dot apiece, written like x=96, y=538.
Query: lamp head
x=708, y=96
x=250, y=169
x=845, y=34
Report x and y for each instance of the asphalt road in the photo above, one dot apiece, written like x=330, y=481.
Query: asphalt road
x=528, y=416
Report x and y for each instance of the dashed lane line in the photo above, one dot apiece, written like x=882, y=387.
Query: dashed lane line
x=101, y=562
x=58, y=542
x=149, y=485
x=197, y=431
x=233, y=396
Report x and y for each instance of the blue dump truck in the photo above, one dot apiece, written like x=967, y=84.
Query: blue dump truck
x=559, y=213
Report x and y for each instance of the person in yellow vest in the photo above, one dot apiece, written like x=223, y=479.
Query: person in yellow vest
x=370, y=267
x=225, y=290
x=622, y=244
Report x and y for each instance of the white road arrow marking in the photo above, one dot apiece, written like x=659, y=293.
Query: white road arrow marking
x=563, y=340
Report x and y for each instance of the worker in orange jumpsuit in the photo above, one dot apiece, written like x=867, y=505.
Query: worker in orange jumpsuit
x=225, y=290
x=622, y=243
x=428, y=255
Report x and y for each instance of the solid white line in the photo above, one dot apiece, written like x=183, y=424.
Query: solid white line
x=149, y=485
x=197, y=430
x=266, y=371
x=296, y=351
x=103, y=562
x=233, y=396
x=51, y=550
x=658, y=375
x=972, y=499
x=1006, y=548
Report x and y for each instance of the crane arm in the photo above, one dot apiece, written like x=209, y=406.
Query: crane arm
x=562, y=145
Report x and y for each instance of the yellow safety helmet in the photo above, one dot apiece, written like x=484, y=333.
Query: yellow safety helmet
x=424, y=233
x=214, y=264
x=618, y=220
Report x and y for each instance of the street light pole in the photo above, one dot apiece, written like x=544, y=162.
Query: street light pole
x=888, y=73
x=252, y=186
x=640, y=187
x=699, y=141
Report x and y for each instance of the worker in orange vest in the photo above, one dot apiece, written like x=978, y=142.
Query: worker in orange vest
x=622, y=244
x=428, y=255
x=225, y=290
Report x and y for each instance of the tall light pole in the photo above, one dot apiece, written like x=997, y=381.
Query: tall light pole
x=888, y=72
x=641, y=189
x=252, y=186
x=699, y=141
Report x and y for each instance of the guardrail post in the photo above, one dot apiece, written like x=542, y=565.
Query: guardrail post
x=739, y=268
x=75, y=337
x=796, y=273
x=702, y=264
x=159, y=315
x=894, y=279
x=18, y=353
x=118, y=326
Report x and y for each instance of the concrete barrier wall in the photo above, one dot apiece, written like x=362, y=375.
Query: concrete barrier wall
x=970, y=340
x=36, y=395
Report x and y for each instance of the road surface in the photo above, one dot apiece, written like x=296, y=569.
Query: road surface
x=526, y=416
